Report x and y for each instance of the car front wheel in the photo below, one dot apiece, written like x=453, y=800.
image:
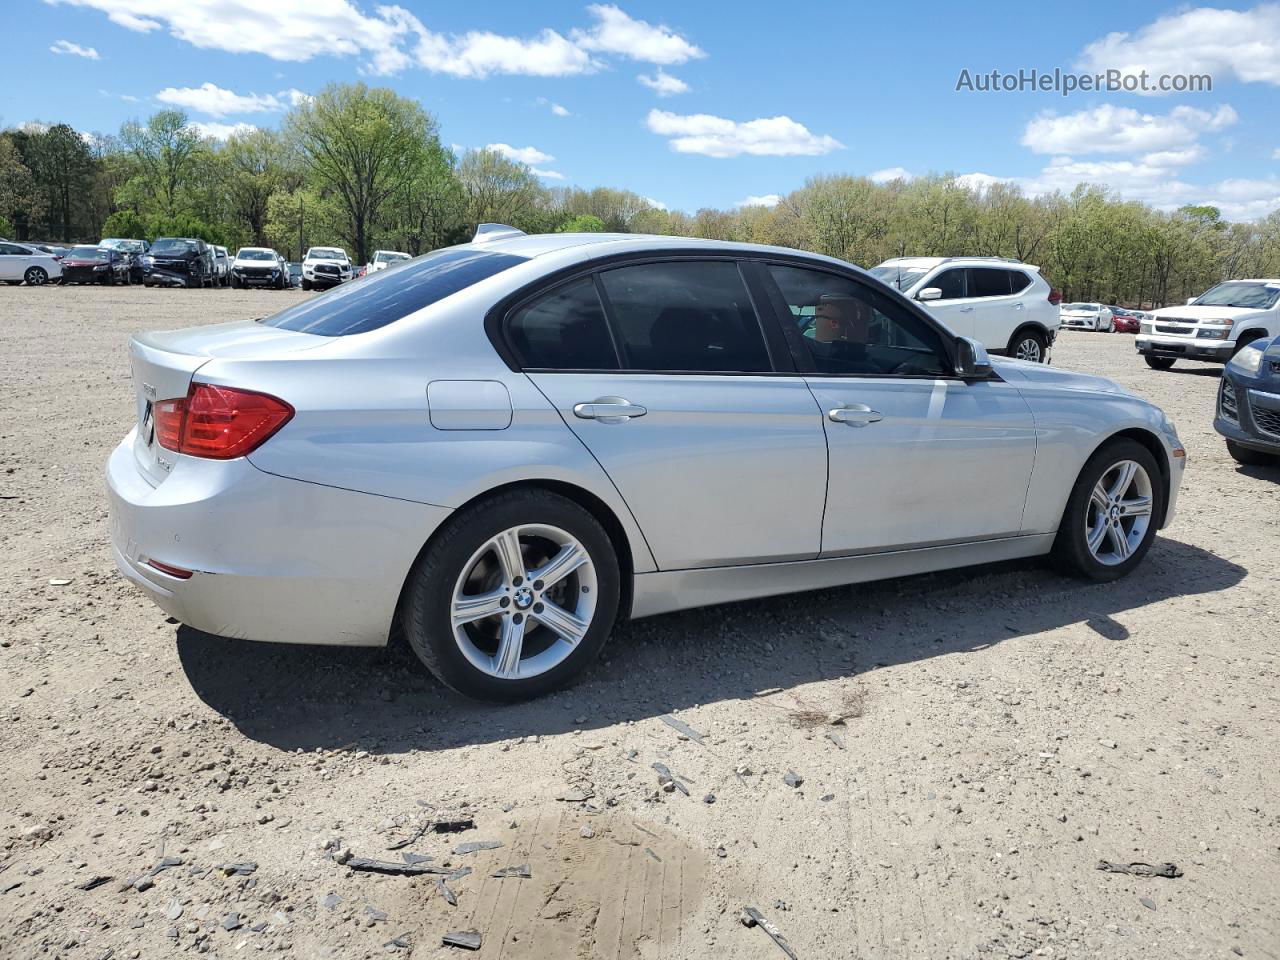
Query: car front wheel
x=36, y=276
x=1111, y=515
x=514, y=596
x=1028, y=345
x=1160, y=363
x=1248, y=457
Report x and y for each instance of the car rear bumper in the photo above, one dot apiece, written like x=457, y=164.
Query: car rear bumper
x=272, y=559
x=1157, y=346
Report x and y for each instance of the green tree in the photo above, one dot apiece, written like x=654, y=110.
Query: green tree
x=20, y=199
x=429, y=208
x=582, y=223
x=360, y=144
x=126, y=224
x=164, y=149
x=63, y=168
x=499, y=190
x=256, y=166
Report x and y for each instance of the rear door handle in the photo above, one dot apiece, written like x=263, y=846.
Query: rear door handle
x=855, y=415
x=608, y=410
x=966, y=309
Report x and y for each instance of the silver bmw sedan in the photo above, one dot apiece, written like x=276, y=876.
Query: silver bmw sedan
x=507, y=445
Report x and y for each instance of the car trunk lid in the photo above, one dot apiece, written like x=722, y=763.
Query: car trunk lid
x=163, y=364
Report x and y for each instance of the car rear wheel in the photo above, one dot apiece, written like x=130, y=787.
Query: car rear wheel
x=1160, y=363
x=1248, y=457
x=36, y=276
x=1110, y=520
x=1028, y=345
x=514, y=597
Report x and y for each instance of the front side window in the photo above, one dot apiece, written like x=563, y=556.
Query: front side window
x=849, y=329
x=950, y=282
x=904, y=278
x=390, y=295
x=988, y=282
x=685, y=316
x=564, y=330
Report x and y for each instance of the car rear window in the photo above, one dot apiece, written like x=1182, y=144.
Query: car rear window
x=359, y=306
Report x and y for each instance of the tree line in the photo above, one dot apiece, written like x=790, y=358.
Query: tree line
x=365, y=167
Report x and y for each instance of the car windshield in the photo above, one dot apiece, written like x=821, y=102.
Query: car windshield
x=1240, y=293
x=89, y=253
x=129, y=246
x=251, y=254
x=173, y=246
x=389, y=295
x=1081, y=307
x=903, y=278
x=390, y=257
x=326, y=253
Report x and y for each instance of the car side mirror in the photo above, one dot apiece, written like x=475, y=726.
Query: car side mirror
x=930, y=293
x=972, y=361
x=1191, y=300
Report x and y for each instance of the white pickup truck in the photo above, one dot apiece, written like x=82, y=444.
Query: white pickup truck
x=1213, y=326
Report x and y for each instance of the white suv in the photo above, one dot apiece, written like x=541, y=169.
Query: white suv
x=325, y=267
x=1212, y=326
x=1004, y=304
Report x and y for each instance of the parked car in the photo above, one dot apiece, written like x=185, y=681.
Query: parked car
x=295, y=273
x=1124, y=321
x=259, y=267
x=1213, y=326
x=483, y=449
x=1003, y=304
x=325, y=267
x=90, y=263
x=1088, y=316
x=221, y=267
x=178, y=262
x=1249, y=404
x=136, y=249
x=55, y=251
x=23, y=263
x=382, y=259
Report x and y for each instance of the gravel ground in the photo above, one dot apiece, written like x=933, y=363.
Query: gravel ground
x=970, y=744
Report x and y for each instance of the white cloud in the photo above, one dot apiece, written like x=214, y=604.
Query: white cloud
x=1112, y=129
x=663, y=83
x=713, y=136
x=548, y=174
x=220, y=131
x=980, y=181
x=889, y=174
x=481, y=54
x=617, y=33
x=295, y=97
x=656, y=204
x=1275, y=154
x=764, y=200
x=1222, y=43
x=529, y=155
x=554, y=107
x=214, y=100
x=66, y=46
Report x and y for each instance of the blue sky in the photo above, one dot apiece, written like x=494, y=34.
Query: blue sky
x=743, y=100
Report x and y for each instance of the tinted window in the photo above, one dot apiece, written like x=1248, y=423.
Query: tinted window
x=847, y=328
x=988, y=282
x=8, y=248
x=951, y=283
x=685, y=316
x=1018, y=281
x=564, y=330
x=388, y=295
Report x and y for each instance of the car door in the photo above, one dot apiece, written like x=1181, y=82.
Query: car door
x=954, y=308
x=661, y=369
x=997, y=312
x=918, y=457
x=13, y=261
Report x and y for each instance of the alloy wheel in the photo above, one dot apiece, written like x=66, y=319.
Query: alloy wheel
x=1028, y=349
x=36, y=277
x=1119, y=512
x=524, y=600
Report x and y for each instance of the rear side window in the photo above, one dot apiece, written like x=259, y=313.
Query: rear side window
x=988, y=282
x=359, y=306
x=685, y=316
x=1018, y=281
x=564, y=330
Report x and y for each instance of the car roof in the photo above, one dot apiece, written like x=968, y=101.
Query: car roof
x=591, y=246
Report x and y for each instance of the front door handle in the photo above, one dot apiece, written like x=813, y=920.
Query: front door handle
x=608, y=410
x=855, y=415
x=966, y=309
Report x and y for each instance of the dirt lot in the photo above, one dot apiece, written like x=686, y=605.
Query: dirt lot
x=971, y=744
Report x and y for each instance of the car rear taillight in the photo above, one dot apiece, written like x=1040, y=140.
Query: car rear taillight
x=1055, y=296
x=218, y=423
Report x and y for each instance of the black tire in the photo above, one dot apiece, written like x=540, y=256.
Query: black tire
x=1160, y=363
x=306, y=284
x=1248, y=457
x=36, y=276
x=1028, y=341
x=1070, y=550
x=235, y=284
x=429, y=592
